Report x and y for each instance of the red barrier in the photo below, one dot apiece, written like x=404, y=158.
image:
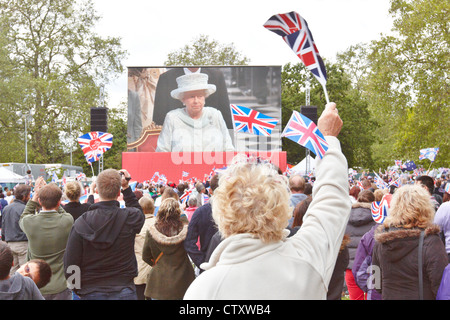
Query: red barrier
x=142, y=165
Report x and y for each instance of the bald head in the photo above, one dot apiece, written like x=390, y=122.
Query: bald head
x=297, y=184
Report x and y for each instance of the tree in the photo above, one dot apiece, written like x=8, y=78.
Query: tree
x=407, y=82
x=353, y=109
x=205, y=52
x=61, y=64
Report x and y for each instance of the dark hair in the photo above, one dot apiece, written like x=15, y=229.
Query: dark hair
x=22, y=191
x=300, y=210
x=308, y=189
x=45, y=272
x=6, y=260
x=214, y=183
x=428, y=182
x=354, y=192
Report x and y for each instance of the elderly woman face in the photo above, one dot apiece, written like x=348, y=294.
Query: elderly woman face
x=194, y=101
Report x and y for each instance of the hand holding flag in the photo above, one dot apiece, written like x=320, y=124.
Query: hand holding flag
x=303, y=131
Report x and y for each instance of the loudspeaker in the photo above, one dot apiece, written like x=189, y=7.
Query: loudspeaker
x=99, y=119
x=309, y=112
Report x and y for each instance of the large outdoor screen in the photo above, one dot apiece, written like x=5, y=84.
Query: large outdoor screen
x=188, y=109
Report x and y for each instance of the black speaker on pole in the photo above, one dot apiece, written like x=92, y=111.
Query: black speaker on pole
x=309, y=112
x=99, y=119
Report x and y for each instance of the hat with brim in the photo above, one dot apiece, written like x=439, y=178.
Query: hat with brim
x=192, y=82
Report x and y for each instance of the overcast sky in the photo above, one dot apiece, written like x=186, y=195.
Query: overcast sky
x=151, y=29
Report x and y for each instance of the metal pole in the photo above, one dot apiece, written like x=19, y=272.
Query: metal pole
x=307, y=103
x=26, y=140
x=70, y=135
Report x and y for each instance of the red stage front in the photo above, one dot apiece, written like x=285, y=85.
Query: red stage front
x=142, y=165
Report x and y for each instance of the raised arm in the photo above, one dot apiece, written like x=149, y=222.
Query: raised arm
x=323, y=227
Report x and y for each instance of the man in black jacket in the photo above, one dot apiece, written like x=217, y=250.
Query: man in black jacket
x=100, y=262
x=201, y=225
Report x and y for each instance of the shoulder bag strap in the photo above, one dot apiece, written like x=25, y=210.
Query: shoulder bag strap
x=420, y=263
x=159, y=256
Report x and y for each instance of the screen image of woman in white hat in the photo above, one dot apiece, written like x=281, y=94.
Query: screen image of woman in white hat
x=195, y=127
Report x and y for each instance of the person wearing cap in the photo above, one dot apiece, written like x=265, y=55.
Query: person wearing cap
x=195, y=127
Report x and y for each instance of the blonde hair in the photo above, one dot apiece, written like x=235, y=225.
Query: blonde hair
x=72, y=190
x=147, y=204
x=379, y=193
x=410, y=207
x=252, y=198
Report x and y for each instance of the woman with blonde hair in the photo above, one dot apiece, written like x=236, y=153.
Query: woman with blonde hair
x=407, y=243
x=171, y=272
x=73, y=190
x=256, y=259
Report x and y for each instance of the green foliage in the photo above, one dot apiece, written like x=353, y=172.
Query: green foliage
x=353, y=110
x=117, y=126
x=205, y=52
x=414, y=67
x=404, y=78
x=56, y=65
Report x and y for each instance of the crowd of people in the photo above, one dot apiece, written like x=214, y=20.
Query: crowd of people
x=250, y=232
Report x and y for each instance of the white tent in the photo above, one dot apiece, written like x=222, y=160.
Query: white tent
x=301, y=166
x=9, y=176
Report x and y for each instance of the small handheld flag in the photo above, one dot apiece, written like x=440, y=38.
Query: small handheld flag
x=409, y=166
x=428, y=153
x=295, y=32
x=252, y=121
x=380, y=209
x=94, y=144
x=304, y=131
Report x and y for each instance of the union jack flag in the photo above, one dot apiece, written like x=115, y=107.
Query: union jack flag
x=303, y=131
x=397, y=183
x=379, y=209
x=80, y=176
x=295, y=32
x=379, y=182
x=428, y=153
x=252, y=121
x=186, y=195
x=185, y=174
x=94, y=144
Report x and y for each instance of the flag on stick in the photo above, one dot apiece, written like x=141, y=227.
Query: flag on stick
x=304, y=131
x=94, y=144
x=428, y=153
x=295, y=32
